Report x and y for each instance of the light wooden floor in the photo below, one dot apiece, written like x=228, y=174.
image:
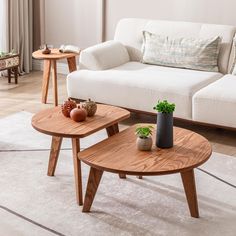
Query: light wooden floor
x=27, y=96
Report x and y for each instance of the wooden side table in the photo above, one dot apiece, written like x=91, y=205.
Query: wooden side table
x=10, y=63
x=52, y=122
x=50, y=62
x=119, y=154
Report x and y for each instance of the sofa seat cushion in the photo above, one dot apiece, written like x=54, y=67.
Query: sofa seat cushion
x=216, y=103
x=139, y=86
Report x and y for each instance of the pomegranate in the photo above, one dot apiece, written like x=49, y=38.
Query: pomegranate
x=78, y=114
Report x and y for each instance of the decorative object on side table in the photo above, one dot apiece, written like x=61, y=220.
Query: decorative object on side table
x=7, y=54
x=67, y=107
x=78, y=114
x=164, y=134
x=144, y=140
x=69, y=48
x=70, y=109
x=90, y=106
x=46, y=50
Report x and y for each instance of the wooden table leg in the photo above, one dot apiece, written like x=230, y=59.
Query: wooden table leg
x=95, y=176
x=46, y=77
x=9, y=75
x=77, y=170
x=112, y=130
x=55, y=150
x=16, y=74
x=54, y=81
x=190, y=192
x=72, y=64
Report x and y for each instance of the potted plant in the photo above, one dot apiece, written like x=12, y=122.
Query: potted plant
x=164, y=134
x=144, y=140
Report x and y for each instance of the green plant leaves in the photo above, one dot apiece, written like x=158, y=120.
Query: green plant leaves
x=144, y=132
x=164, y=107
x=5, y=54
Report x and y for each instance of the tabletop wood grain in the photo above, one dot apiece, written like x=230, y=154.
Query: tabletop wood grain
x=54, y=55
x=119, y=154
x=52, y=122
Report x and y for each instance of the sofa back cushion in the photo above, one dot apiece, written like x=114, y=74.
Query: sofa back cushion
x=99, y=57
x=129, y=32
x=188, y=53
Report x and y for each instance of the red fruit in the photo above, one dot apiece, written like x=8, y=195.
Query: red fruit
x=67, y=107
x=78, y=114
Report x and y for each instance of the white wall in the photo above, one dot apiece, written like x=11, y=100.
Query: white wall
x=206, y=11
x=74, y=22
x=79, y=21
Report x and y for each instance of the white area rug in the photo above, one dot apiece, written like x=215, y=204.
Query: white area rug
x=152, y=206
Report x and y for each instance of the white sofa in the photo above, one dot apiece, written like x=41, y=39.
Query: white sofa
x=112, y=73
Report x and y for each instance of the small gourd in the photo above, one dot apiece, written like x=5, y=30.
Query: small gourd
x=67, y=107
x=90, y=107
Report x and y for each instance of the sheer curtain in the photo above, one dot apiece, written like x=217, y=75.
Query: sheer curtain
x=21, y=26
x=21, y=31
x=4, y=25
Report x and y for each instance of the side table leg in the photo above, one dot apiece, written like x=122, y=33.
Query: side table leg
x=16, y=74
x=72, y=64
x=54, y=81
x=95, y=176
x=112, y=130
x=77, y=170
x=190, y=192
x=9, y=75
x=46, y=77
x=54, y=154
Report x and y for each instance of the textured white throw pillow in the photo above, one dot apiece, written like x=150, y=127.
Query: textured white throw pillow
x=189, y=53
x=233, y=68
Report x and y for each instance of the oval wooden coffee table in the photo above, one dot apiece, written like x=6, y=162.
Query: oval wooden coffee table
x=118, y=154
x=52, y=122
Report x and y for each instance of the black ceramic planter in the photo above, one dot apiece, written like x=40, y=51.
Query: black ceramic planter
x=164, y=134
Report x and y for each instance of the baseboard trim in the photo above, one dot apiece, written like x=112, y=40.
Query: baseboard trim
x=62, y=68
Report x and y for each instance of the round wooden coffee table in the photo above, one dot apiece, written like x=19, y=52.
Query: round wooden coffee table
x=190, y=150
x=52, y=122
x=50, y=61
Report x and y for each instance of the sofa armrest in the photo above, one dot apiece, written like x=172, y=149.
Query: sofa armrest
x=104, y=56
